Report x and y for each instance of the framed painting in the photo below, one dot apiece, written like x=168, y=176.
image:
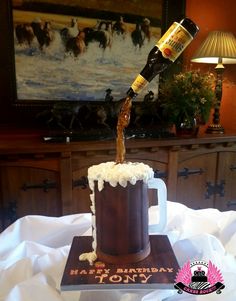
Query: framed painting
x=41, y=64
x=82, y=50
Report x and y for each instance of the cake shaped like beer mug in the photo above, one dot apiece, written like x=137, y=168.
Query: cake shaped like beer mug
x=120, y=226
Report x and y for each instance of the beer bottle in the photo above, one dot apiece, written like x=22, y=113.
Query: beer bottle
x=164, y=53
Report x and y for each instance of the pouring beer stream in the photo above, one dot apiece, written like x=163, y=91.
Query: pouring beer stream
x=122, y=123
x=162, y=55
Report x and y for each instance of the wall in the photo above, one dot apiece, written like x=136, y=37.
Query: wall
x=215, y=15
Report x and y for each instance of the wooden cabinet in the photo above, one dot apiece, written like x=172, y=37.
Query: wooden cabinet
x=51, y=178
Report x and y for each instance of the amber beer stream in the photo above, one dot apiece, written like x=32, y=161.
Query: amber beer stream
x=162, y=55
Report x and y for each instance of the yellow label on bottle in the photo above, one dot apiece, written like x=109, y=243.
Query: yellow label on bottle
x=139, y=83
x=174, y=41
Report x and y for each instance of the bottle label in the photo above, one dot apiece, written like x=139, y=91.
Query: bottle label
x=174, y=41
x=139, y=83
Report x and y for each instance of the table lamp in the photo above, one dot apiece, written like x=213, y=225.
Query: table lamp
x=218, y=48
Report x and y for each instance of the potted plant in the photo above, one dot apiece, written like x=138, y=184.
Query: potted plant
x=187, y=99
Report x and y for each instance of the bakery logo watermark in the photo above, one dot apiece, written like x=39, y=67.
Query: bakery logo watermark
x=199, y=278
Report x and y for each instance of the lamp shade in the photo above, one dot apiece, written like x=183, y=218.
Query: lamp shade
x=218, y=46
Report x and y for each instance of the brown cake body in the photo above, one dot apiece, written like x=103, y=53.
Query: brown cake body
x=122, y=223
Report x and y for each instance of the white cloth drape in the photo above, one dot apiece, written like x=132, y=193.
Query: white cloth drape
x=34, y=250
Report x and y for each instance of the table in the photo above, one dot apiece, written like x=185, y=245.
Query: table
x=34, y=250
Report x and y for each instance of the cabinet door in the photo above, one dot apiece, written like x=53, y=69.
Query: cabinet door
x=226, y=181
x=196, y=176
x=28, y=190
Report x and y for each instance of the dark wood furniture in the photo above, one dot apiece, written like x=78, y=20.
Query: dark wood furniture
x=50, y=178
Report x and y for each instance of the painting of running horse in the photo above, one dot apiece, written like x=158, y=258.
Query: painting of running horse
x=82, y=50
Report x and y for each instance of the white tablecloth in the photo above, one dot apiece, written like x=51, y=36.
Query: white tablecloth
x=34, y=250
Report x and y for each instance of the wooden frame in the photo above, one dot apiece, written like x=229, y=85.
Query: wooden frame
x=20, y=106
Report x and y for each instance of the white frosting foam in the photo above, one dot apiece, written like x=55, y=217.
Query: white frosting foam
x=118, y=174
x=91, y=257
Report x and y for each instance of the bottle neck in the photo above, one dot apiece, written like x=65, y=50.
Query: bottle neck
x=131, y=93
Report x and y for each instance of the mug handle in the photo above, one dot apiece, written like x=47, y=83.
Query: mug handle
x=160, y=186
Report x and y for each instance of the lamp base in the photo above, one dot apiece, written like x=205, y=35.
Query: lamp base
x=215, y=129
